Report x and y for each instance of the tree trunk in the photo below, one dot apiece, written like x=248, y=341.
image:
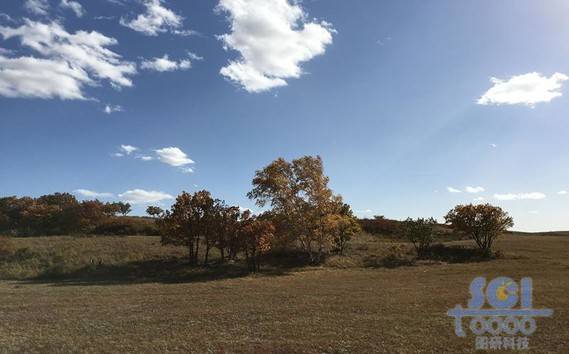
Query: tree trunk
x=207, y=248
x=196, y=253
x=191, y=252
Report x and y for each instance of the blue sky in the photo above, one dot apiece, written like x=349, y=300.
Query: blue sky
x=397, y=98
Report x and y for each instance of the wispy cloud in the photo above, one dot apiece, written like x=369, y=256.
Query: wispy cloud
x=70, y=62
x=73, y=6
x=474, y=190
x=145, y=157
x=37, y=7
x=6, y=18
x=173, y=156
x=156, y=19
x=453, y=190
x=273, y=38
x=109, y=109
x=520, y=196
x=128, y=149
x=165, y=64
x=92, y=194
x=527, y=89
x=141, y=196
x=564, y=192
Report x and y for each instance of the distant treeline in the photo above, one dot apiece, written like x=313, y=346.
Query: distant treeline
x=63, y=214
x=379, y=225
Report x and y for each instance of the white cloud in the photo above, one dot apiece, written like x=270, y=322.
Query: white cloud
x=365, y=211
x=128, y=149
x=112, y=109
x=73, y=6
x=42, y=78
x=562, y=192
x=117, y=2
x=273, y=38
x=474, y=190
x=37, y=7
x=92, y=194
x=493, y=146
x=453, y=190
x=479, y=199
x=173, y=156
x=187, y=170
x=140, y=196
x=6, y=18
x=145, y=158
x=104, y=17
x=520, y=196
x=185, y=33
x=527, y=89
x=157, y=19
x=70, y=61
x=165, y=64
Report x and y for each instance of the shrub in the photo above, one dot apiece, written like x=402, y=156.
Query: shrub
x=379, y=226
x=397, y=256
x=342, y=228
x=420, y=233
x=127, y=226
x=483, y=223
x=6, y=247
x=458, y=254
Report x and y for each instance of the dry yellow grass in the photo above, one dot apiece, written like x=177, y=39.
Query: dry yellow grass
x=311, y=310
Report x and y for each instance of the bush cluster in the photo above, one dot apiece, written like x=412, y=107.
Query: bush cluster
x=61, y=214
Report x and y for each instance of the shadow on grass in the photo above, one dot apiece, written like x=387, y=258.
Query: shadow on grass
x=390, y=261
x=151, y=271
x=438, y=253
x=458, y=254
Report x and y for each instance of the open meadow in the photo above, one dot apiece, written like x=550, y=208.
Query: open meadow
x=284, y=176
x=130, y=294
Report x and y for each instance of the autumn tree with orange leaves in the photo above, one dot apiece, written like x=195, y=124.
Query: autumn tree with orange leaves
x=301, y=202
x=482, y=222
x=200, y=223
x=256, y=236
x=191, y=222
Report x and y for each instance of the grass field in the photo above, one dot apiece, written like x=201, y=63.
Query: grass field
x=120, y=302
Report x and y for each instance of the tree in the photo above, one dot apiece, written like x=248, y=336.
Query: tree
x=482, y=222
x=124, y=208
x=192, y=220
x=256, y=237
x=301, y=201
x=180, y=226
x=154, y=211
x=420, y=233
x=117, y=208
x=55, y=214
x=111, y=209
x=93, y=212
x=342, y=228
x=227, y=237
